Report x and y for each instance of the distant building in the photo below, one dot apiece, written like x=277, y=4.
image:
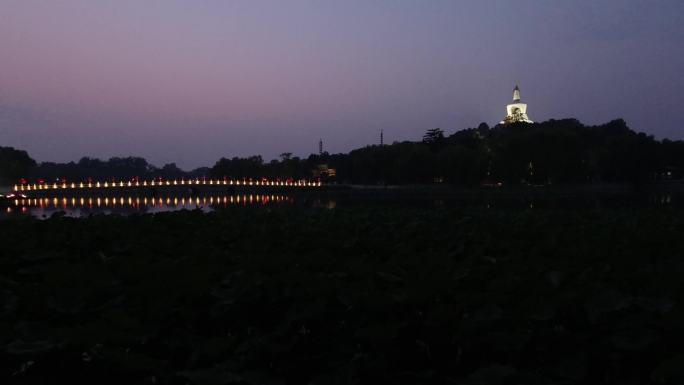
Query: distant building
x=516, y=112
x=323, y=172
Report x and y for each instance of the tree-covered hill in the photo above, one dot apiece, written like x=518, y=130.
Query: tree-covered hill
x=552, y=152
x=556, y=151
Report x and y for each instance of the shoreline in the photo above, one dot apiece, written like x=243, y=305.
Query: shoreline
x=359, y=190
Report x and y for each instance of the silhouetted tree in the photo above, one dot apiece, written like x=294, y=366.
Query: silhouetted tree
x=170, y=171
x=14, y=164
x=433, y=136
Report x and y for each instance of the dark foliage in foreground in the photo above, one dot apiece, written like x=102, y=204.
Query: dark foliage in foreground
x=370, y=296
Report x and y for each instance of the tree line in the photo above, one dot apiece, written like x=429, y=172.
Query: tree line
x=555, y=151
x=16, y=165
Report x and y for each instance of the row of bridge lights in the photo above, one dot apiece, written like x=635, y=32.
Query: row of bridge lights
x=43, y=202
x=152, y=183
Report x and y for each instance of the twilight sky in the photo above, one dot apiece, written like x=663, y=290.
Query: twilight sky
x=190, y=81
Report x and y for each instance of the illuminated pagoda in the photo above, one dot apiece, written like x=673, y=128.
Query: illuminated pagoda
x=516, y=112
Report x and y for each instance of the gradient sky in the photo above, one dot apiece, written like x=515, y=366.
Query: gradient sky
x=192, y=81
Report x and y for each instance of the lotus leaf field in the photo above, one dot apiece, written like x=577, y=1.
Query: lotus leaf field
x=364, y=295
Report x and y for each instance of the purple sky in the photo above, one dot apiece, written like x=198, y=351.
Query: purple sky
x=192, y=81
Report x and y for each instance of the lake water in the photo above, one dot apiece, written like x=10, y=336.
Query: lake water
x=75, y=206
x=85, y=206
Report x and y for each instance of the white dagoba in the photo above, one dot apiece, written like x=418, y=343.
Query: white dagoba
x=516, y=112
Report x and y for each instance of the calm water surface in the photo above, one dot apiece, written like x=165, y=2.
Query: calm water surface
x=85, y=206
x=74, y=206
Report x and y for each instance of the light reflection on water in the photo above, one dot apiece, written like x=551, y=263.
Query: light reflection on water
x=87, y=205
x=84, y=206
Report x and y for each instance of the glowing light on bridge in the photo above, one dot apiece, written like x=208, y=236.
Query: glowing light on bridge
x=159, y=182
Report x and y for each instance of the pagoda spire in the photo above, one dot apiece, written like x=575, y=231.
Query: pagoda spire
x=516, y=94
